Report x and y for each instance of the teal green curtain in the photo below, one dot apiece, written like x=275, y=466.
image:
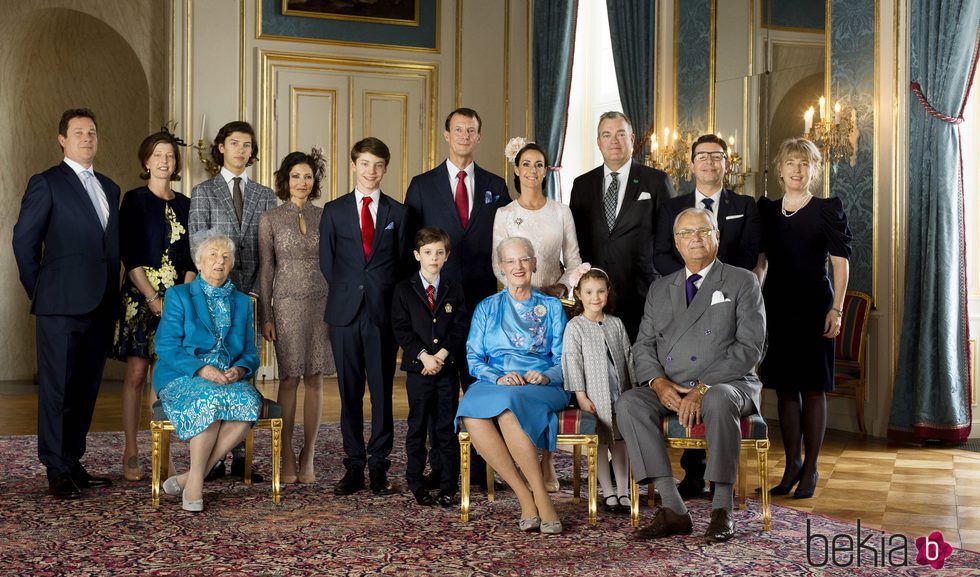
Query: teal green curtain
x=631, y=27
x=554, y=45
x=932, y=389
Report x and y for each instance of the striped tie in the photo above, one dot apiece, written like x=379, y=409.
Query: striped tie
x=430, y=293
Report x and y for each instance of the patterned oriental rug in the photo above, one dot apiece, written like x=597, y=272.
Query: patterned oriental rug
x=117, y=532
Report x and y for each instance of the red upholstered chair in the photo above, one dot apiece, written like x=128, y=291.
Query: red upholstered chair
x=576, y=428
x=849, y=373
x=755, y=435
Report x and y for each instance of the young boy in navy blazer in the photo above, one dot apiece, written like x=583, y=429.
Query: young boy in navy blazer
x=428, y=315
x=362, y=254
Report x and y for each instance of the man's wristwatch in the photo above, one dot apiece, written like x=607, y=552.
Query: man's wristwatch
x=702, y=389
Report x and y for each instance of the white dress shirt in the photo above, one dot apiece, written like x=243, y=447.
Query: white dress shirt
x=79, y=169
x=623, y=176
x=469, y=179
x=230, y=181
x=372, y=207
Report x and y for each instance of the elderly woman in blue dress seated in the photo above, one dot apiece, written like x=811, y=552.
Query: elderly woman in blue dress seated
x=206, y=348
x=514, y=352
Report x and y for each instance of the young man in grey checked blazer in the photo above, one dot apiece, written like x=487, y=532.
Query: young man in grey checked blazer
x=231, y=204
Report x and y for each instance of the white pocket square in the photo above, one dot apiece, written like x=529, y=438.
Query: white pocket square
x=643, y=196
x=719, y=297
x=734, y=216
x=391, y=226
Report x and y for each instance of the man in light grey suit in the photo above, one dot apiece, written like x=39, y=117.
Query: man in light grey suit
x=231, y=204
x=702, y=334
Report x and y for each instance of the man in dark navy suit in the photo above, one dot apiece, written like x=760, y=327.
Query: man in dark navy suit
x=738, y=225
x=362, y=256
x=461, y=198
x=615, y=208
x=66, y=243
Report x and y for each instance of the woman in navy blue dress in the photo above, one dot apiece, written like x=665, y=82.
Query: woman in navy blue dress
x=511, y=411
x=803, y=307
x=157, y=255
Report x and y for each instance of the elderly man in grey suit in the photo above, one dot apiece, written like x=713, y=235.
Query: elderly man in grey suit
x=231, y=204
x=702, y=334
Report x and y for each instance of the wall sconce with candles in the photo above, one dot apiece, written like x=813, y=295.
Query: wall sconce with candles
x=203, y=149
x=835, y=136
x=673, y=155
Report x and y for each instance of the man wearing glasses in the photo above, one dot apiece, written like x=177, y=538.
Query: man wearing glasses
x=703, y=332
x=738, y=226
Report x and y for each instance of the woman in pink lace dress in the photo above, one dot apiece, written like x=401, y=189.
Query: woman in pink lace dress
x=293, y=295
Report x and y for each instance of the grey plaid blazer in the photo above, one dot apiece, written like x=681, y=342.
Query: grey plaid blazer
x=212, y=211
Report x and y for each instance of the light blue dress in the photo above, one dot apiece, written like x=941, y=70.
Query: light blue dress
x=192, y=403
x=511, y=335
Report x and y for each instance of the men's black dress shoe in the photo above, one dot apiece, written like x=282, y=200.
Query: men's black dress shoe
x=85, y=481
x=445, y=499
x=424, y=498
x=666, y=523
x=432, y=481
x=216, y=472
x=63, y=487
x=691, y=488
x=721, y=528
x=380, y=485
x=350, y=483
x=238, y=470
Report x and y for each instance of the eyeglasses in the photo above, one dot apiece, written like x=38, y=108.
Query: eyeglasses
x=522, y=260
x=690, y=232
x=714, y=156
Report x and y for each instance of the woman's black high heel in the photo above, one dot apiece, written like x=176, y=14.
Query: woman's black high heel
x=806, y=492
x=780, y=490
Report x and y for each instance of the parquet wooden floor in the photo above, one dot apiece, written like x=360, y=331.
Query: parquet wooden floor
x=897, y=488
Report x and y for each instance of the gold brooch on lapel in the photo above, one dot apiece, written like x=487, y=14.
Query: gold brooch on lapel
x=540, y=310
x=449, y=308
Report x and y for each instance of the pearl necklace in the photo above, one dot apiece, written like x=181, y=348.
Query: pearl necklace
x=782, y=206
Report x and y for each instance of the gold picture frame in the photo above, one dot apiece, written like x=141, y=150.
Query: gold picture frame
x=351, y=15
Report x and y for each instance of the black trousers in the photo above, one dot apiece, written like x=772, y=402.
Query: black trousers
x=432, y=404
x=363, y=349
x=478, y=467
x=71, y=354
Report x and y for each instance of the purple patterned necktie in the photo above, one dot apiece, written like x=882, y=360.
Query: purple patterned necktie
x=692, y=289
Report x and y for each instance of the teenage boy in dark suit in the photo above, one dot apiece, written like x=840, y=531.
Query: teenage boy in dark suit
x=429, y=317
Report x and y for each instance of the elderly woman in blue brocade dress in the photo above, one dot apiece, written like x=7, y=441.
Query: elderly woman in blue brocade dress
x=206, y=348
x=514, y=352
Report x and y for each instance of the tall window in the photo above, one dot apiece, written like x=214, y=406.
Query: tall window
x=594, y=91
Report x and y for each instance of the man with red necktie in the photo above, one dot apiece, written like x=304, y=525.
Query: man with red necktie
x=461, y=198
x=362, y=255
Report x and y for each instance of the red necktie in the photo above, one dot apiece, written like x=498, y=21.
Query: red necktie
x=430, y=293
x=462, y=199
x=367, y=227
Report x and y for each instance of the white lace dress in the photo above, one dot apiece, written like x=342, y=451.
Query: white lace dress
x=552, y=232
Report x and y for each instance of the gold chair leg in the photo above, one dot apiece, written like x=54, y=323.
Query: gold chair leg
x=165, y=470
x=651, y=494
x=248, y=457
x=743, y=461
x=593, y=457
x=635, y=501
x=464, y=474
x=156, y=460
x=762, y=454
x=576, y=472
x=276, y=456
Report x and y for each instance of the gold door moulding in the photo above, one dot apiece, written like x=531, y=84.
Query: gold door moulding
x=295, y=92
x=351, y=18
x=402, y=99
x=271, y=62
x=438, y=37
